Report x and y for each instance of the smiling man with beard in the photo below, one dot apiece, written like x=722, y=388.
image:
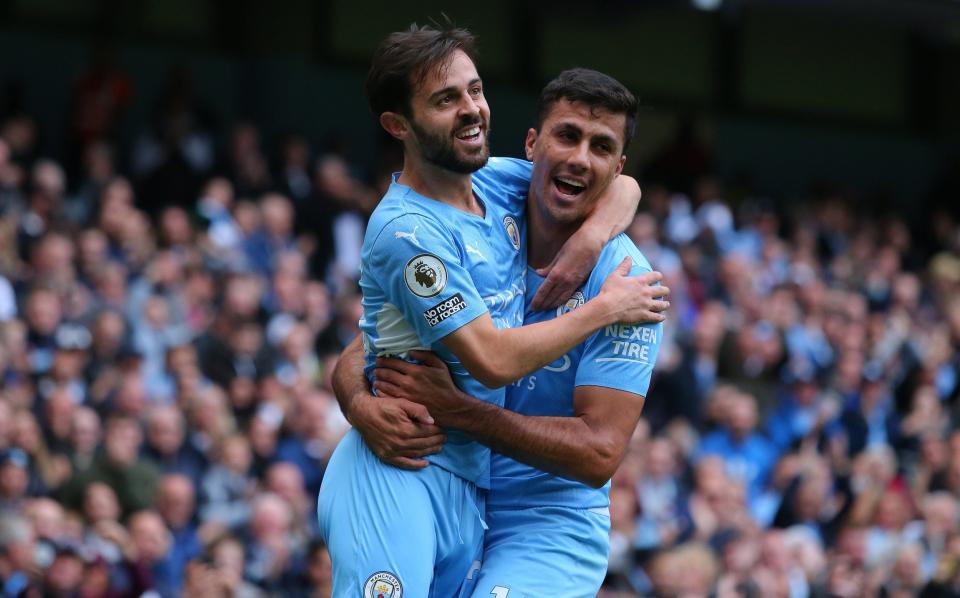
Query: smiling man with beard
x=443, y=268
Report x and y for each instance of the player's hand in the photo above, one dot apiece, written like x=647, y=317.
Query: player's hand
x=568, y=270
x=635, y=299
x=428, y=383
x=400, y=432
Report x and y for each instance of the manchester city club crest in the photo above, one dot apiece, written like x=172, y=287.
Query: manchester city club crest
x=572, y=303
x=425, y=275
x=513, y=231
x=382, y=585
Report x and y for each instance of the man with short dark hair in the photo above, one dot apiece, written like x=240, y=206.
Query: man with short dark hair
x=443, y=269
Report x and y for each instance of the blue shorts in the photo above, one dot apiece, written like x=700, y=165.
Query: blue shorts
x=392, y=531
x=544, y=551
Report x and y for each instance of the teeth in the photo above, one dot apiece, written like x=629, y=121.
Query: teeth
x=469, y=133
x=571, y=182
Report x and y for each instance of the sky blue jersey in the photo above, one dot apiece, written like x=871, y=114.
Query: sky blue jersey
x=618, y=356
x=428, y=268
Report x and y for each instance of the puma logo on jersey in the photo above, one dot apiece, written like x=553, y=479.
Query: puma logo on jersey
x=404, y=235
x=475, y=251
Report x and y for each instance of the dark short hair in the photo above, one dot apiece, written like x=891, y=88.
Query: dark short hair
x=594, y=89
x=404, y=59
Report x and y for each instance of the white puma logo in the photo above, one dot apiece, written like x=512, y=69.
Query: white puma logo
x=474, y=250
x=413, y=236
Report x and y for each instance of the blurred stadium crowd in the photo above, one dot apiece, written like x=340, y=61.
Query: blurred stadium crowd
x=171, y=309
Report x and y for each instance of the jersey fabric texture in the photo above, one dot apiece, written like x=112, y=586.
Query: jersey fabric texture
x=427, y=270
x=548, y=534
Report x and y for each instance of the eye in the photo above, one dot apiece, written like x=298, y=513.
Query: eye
x=603, y=148
x=444, y=100
x=476, y=91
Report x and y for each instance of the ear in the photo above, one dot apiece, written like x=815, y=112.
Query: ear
x=394, y=124
x=530, y=143
x=623, y=160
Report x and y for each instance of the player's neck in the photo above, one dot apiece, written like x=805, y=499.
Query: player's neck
x=545, y=236
x=429, y=180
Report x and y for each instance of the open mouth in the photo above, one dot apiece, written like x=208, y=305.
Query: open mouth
x=471, y=133
x=569, y=186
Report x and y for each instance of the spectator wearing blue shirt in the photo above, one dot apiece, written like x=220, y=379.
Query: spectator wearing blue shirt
x=747, y=455
x=176, y=503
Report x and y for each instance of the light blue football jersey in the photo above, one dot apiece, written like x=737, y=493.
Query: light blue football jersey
x=618, y=356
x=428, y=268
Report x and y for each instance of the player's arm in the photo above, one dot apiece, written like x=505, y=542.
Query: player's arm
x=614, y=212
x=497, y=357
x=587, y=447
x=398, y=431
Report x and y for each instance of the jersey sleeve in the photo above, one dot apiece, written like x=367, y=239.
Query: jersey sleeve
x=620, y=356
x=420, y=268
x=507, y=181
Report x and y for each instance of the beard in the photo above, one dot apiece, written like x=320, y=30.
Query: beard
x=438, y=149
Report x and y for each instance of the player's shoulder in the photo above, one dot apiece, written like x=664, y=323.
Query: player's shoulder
x=397, y=219
x=505, y=173
x=618, y=248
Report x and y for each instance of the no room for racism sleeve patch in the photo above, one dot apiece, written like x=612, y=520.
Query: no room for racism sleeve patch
x=444, y=309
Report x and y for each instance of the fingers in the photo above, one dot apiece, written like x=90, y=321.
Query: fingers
x=647, y=277
x=624, y=268
x=542, y=300
x=428, y=358
x=419, y=447
x=545, y=271
x=389, y=389
x=397, y=364
x=659, y=306
x=416, y=411
x=661, y=291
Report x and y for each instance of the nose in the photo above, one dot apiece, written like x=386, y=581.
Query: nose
x=579, y=158
x=469, y=106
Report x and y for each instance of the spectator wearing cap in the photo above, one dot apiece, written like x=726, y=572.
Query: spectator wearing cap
x=70, y=357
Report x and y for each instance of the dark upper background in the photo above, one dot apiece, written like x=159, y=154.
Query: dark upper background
x=786, y=93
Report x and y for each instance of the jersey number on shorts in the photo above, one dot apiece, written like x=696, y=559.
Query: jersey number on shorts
x=499, y=592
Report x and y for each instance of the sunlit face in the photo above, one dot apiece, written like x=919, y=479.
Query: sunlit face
x=450, y=119
x=576, y=154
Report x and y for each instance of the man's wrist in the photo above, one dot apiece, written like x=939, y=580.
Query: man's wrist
x=358, y=409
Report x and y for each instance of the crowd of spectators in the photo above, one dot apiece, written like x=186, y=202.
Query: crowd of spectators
x=800, y=435
x=170, y=312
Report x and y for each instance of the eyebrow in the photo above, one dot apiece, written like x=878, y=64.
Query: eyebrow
x=593, y=138
x=451, y=88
